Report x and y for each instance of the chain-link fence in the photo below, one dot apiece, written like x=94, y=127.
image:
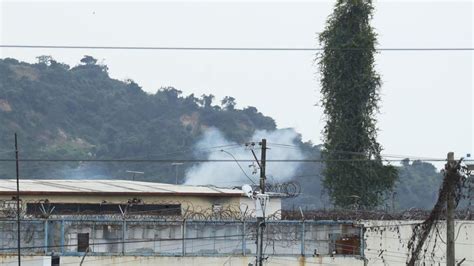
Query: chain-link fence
x=108, y=236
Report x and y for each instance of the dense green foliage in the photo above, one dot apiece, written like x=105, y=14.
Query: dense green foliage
x=80, y=112
x=354, y=173
x=417, y=186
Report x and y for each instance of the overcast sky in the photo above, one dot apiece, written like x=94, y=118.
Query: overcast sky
x=427, y=97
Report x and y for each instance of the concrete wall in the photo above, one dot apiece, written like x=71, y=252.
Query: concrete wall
x=109, y=237
x=273, y=209
x=32, y=235
x=386, y=243
x=26, y=261
x=184, y=261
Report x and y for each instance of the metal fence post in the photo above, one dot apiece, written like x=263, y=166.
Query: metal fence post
x=46, y=233
x=362, y=242
x=62, y=237
x=124, y=235
x=302, y=238
x=183, y=242
x=244, y=244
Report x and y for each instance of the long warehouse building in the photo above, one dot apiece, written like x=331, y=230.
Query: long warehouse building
x=124, y=197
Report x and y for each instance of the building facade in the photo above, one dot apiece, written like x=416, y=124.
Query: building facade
x=53, y=198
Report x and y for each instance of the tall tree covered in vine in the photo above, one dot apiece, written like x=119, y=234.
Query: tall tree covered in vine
x=354, y=171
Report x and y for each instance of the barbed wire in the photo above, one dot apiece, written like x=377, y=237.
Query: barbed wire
x=359, y=215
x=289, y=189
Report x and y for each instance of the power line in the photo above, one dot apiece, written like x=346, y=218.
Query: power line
x=205, y=160
x=177, y=152
x=235, y=159
x=400, y=156
x=186, y=150
x=194, y=48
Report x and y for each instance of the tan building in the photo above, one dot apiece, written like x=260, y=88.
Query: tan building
x=44, y=198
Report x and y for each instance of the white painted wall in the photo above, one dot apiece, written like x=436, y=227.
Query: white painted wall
x=26, y=260
x=187, y=261
x=393, y=236
x=273, y=207
x=385, y=245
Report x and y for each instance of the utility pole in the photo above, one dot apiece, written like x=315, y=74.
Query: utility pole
x=18, y=201
x=454, y=172
x=176, y=165
x=450, y=255
x=262, y=202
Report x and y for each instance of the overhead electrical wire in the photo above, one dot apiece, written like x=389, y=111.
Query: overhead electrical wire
x=217, y=148
x=235, y=159
x=401, y=156
x=185, y=150
x=203, y=160
x=195, y=48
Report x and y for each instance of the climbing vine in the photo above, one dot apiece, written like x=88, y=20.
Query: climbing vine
x=354, y=171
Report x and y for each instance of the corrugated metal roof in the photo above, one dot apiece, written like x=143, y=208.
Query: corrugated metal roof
x=109, y=187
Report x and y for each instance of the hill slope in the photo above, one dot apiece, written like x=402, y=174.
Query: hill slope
x=80, y=112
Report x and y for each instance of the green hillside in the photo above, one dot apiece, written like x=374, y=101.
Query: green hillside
x=80, y=112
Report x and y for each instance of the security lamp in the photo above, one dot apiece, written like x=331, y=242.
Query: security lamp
x=247, y=189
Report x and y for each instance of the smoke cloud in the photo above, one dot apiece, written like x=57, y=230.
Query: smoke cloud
x=230, y=174
x=83, y=171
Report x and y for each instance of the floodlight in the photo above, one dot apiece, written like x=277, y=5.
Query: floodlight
x=247, y=189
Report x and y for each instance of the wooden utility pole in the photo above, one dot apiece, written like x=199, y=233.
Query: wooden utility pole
x=18, y=201
x=450, y=198
x=262, y=202
x=447, y=197
x=262, y=165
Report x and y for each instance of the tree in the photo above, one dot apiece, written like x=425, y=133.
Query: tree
x=172, y=94
x=354, y=171
x=45, y=59
x=405, y=162
x=228, y=103
x=417, y=185
x=88, y=60
x=206, y=100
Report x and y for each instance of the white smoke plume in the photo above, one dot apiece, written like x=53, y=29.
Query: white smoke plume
x=230, y=174
x=83, y=171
